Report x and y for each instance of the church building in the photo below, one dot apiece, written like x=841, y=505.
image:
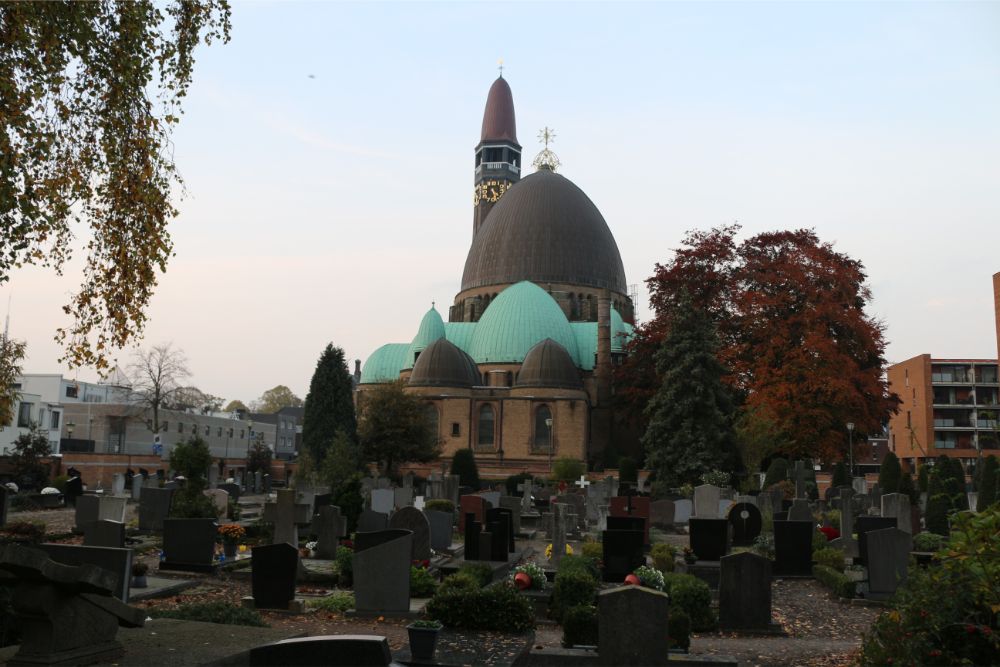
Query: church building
x=521, y=371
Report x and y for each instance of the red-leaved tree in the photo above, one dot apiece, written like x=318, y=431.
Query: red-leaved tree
x=790, y=316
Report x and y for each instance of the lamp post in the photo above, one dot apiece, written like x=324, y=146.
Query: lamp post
x=548, y=425
x=850, y=434
x=69, y=431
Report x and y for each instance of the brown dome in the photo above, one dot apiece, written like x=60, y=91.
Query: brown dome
x=546, y=230
x=548, y=364
x=498, y=118
x=443, y=364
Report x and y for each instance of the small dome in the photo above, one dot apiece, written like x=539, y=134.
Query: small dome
x=521, y=316
x=548, y=364
x=442, y=364
x=498, y=118
x=431, y=329
x=546, y=230
x=384, y=364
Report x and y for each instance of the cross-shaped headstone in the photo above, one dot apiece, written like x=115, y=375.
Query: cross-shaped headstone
x=525, y=489
x=799, y=474
x=286, y=514
x=583, y=482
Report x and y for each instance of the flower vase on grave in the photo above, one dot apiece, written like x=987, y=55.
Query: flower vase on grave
x=231, y=534
x=423, y=638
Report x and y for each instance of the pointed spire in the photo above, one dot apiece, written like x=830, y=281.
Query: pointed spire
x=498, y=118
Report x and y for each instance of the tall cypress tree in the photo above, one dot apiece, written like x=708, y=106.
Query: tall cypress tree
x=889, y=473
x=691, y=416
x=329, y=405
x=840, y=476
x=987, y=483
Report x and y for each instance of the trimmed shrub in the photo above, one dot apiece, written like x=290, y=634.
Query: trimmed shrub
x=440, y=505
x=928, y=541
x=889, y=473
x=693, y=596
x=936, y=518
x=572, y=588
x=497, y=607
x=422, y=583
x=679, y=629
x=464, y=465
x=567, y=469
x=580, y=626
x=345, y=565
x=776, y=472
x=592, y=550
x=819, y=540
x=460, y=581
x=836, y=581
x=579, y=564
x=663, y=557
x=830, y=557
x=481, y=572
x=907, y=487
x=337, y=603
x=213, y=612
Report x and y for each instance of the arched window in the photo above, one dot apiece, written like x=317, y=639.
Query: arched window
x=432, y=419
x=543, y=428
x=486, y=425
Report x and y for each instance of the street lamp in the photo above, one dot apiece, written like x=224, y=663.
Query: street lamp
x=548, y=425
x=69, y=431
x=850, y=434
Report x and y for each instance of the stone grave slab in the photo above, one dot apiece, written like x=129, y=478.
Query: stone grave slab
x=706, y=501
x=472, y=505
x=383, y=501
x=888, y=559
x=513, y=503
x=492, y=497
x=441, y=529
x=413, y=520
x=634, y=506
x=326, y=650
x=220, y=499
x=746, y=522
x=800, y=510
x=709, y=538
x=897, y=505
x=272, y=576
x=682, y=511
x=104, y=534
x=189, y=544
x=382, y=571
x=154, y=506
x=370, y=521
x=329, y=527
x=662, y=513
x=232, y=489
x=286, y=514
x=402, y=497
x=866, y=524
x=744, y=592
x=118, y=562
x=622, y=546
x=472, y=530
x=632, y=626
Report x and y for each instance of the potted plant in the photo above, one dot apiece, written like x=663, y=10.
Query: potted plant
x=423, y=638
x=689, y=556
x=231, y=533
x=139, y=570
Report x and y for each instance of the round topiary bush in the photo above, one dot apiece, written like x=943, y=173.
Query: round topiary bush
x=679, y=628
x=830, y=557
x=693, y=596
x=498, y=607
x=572, y=588
x=580, y=626
x=663, y=557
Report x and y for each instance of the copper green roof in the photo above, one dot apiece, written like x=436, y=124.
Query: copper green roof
x=521, y=316
x=384, y=364
x=586, y=339
x=431, y=329
x=460, y=333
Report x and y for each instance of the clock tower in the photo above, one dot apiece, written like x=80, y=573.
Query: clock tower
x=498, y=155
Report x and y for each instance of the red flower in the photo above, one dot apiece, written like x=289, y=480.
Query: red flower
x=935, y=653
x=971, y=629
x=830, y=532
x=986, y=630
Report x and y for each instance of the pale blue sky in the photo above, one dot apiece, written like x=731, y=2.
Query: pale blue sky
x=336, y=208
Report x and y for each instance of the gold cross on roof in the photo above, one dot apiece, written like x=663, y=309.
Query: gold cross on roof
x=546, y=136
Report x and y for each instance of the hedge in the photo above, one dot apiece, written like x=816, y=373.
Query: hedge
x=837, y=582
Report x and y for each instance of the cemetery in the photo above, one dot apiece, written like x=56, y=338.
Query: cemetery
x=529, y=571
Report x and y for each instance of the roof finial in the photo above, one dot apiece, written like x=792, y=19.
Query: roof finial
x=433, y=305
x=500, y=63
x=546, y=159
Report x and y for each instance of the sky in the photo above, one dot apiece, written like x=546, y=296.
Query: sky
x=327, y=154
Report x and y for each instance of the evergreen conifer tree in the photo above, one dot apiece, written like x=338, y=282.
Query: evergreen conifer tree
x=889, y=473
x=776, y=472
x=329, y=405
x=840, y=477
x=923, y=474
x=987, y=483
x=464, y=465
x=907, y=487
x=691, y=416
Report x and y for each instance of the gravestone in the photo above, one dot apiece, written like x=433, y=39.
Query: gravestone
x=383, y=501
x=189, y=544
x=440, y=524
x=472, y=532
x=492, y=497
x=634, y=506
x=266, y=481
x=86, y=512
x=136, y=487
x=112, y=508
x=682, y=511
x=709, y=538
x=632, y=626
x=598, y=495
x=154, y=506
x=286, y=515
x=370, y=522
x=800, y=510
x=74, y=489
x=897, y=505
x=706, y=501
x=232, y=489
x=413, y=520
x=499, y=529
x=118, y=484
x=382, y=571
x=876, y=497
x=525, y=489
x=860, y=486
x=745, y=592
x=325, y=651
x=5, y=495
x=622, y=544
x=746, y=522
x=513, y=504
x=793, y=548
x=116, y=561
x=559, y=521
x=272, y=575
x=724, y=505
x=603, y=512
x=865, y=525
x=472, y=505
x=402, y=497
x=579, y=511
x=846, y=541
x=221, y=501
x=799, y=476
x=662, y=513
x=104, y=534
x=888, y=557
x=329, y=527
x=258, y=481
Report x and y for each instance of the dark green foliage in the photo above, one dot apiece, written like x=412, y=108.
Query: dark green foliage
x=840, y=476
x=212, y=612
x=572, y=588
x=663, y=557
x=889, y=473
x=23, y=532
x=776, y=472
x=481, y=572
x=907, y=487
x=693, y=596
x=460, y=581
x=394, y=428
x=580, y=626
x=988, y=481
x=260, y=458
x=936, y=517
x=691, y=415
x=579, y=563
x=923, y=476
x=422, y=583
x=440, y=505
x=343, y=470
x=679, y=629
x=345, y=565
x=830, y=557
x=192, y=459
x=567, y=469
x=26, y=458
x=927, y=541
x=498, y=607
x=513, y=481
x=835, y=580
x=329, y=405
x=628, y=471
x=464, y=465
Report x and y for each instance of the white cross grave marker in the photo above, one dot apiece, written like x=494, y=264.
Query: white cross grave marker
x=583, y=482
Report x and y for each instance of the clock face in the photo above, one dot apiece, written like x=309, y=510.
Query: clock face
x=490, y=191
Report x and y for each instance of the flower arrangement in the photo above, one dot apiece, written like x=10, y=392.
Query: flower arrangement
x=716, y=478
x=424, y=564
x=689, y=556
x=548, y=551
x=649, y=577
x=533, y=571
x=232, y=531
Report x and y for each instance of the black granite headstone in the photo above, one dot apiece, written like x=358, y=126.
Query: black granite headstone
x=472, y=530
x=746, y=522
x=793, y=548
x=745, y=592
x=74, y=489
x=189, y=544
x=623, y=551
x=104, y=534
x=325, y=651
x=780, y=516
x=232, y=489
x=273, y=575
x=709, y=538
x=505, y=516
x=865, y=524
